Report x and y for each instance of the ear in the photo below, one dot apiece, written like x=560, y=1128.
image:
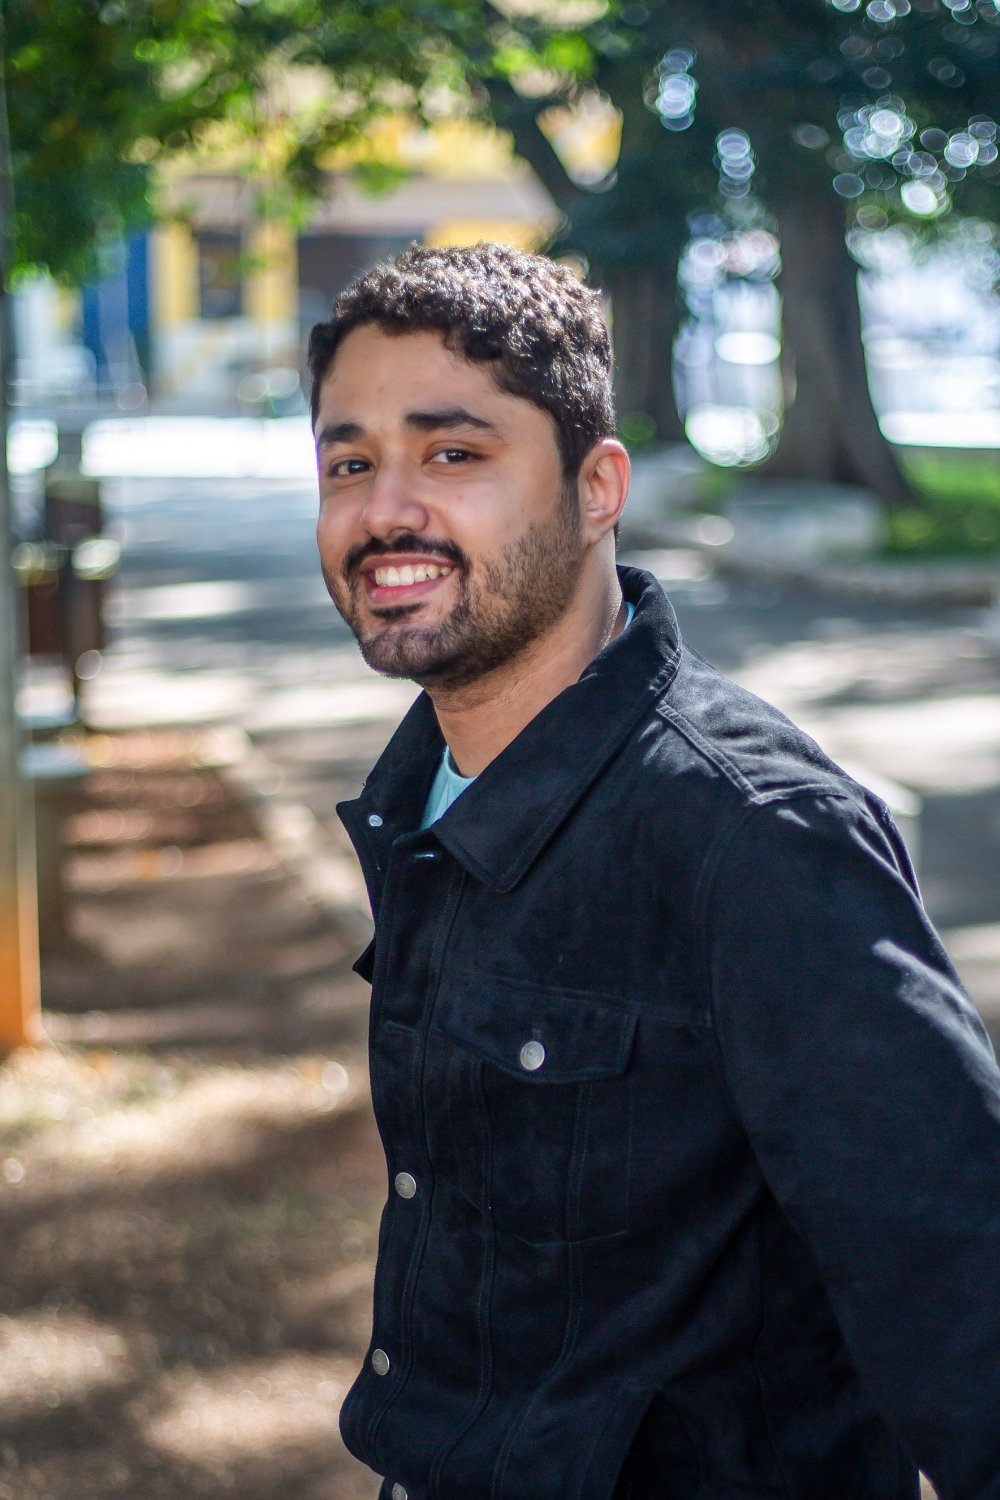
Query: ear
x=603, y=483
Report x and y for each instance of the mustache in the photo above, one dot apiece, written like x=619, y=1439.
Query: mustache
x=407, y=542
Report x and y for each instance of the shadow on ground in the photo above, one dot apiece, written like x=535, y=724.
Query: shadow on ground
x=192, y=1178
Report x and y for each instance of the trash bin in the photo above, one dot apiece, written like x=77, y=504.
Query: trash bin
x=65, y=592
x=65, y=571
x=38, y=569
x=72, y=507
x=55, y=772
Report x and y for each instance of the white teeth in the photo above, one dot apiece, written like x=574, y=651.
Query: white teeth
x=391, y=578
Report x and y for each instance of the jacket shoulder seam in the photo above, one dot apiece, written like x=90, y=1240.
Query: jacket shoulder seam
x=710, y=751
x=702, y=902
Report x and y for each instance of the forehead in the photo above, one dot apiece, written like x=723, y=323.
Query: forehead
x=388, y=374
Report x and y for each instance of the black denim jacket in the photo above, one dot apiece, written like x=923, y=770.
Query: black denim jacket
x=693, y=1139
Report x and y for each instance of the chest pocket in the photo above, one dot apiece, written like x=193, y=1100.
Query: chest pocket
x=540, y=1105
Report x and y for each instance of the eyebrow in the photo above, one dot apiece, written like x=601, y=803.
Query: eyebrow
x=434, y=420
x=448, y=416
x=338, y=432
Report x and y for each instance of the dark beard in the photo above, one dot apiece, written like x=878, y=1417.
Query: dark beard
x=516, y=598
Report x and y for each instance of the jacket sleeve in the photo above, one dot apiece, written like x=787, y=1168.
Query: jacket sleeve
x=871, y=1099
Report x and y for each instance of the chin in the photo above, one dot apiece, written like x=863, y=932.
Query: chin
x=393, y=657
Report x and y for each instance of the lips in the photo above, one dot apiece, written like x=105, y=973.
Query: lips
x=400, y=582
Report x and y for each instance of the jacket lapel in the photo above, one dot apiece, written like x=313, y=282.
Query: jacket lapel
x=499, y=825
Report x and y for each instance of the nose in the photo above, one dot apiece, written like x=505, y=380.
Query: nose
x=392, y=504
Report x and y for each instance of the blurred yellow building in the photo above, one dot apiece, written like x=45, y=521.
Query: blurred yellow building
x=213, y=306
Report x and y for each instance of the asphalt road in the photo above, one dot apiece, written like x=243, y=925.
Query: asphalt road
x=220, y=615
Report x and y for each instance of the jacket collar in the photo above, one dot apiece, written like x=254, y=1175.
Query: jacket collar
x=501, y=823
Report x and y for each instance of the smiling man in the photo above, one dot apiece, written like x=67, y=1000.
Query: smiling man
x=693, y=1139
x=446, y=609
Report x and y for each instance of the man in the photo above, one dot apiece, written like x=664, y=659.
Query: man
x=693, y=1140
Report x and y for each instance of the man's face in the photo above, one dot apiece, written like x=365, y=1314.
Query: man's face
x=448, y=539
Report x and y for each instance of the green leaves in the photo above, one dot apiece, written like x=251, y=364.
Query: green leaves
x=100, y=91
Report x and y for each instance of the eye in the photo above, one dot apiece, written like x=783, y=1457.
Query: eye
x=453, y=456
x=346, y=468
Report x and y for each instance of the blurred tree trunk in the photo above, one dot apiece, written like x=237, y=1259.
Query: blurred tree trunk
x=644, y=319
x=830, y=430
x=633, y=249
x=19, y=983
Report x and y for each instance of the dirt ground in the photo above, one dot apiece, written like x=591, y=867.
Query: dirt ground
x=190, y=1174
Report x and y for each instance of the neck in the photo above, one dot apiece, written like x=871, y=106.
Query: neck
x=481, y=719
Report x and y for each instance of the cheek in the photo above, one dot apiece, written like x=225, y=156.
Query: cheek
x=485, y=519
x=332, y=535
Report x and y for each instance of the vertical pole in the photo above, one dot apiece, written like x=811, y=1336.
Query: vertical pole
x=19, y=981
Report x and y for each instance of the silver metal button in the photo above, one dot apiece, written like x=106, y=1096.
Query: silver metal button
x=380, y=1362
x=374, y=821
x=398, y=1493
x=532, y=1056
x=406, y=1186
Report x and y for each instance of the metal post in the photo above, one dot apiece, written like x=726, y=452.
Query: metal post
x=19, y=979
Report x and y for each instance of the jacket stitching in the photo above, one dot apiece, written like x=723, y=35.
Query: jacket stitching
x=483, y=1316
x=710, y=751
x=704, y=895
x=705, y=891
x=626, y=1393
x=532, y=987
x=574, y=1177
x=560, y=810
x=764, y=1404
x=574, y=1304
x=445, y=923
x=573, y=1308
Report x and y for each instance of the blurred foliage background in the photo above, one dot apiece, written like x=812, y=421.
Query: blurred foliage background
x=776, y=146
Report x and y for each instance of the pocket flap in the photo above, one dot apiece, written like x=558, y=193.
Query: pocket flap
x=536, y=1034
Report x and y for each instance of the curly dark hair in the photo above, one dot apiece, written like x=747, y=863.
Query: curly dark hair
x=541, y=331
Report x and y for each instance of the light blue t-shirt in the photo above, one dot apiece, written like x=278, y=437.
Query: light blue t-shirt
x=448, y=784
